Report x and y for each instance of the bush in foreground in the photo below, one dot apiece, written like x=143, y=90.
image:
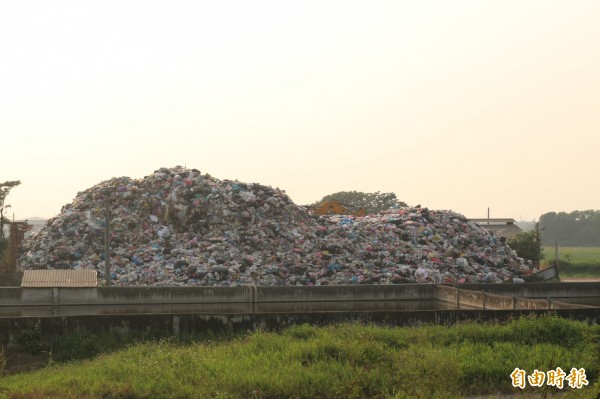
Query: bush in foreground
x=341, y=361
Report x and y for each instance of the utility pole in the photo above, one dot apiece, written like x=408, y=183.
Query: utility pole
x=538, y=243
x=556, y=244
x=107, y=243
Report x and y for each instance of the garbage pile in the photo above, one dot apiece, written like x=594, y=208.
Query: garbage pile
x=178, y=227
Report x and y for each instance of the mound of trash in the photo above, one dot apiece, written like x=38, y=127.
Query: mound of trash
x=178, y=227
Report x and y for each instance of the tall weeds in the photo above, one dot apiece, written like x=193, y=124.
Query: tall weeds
x=340, y=361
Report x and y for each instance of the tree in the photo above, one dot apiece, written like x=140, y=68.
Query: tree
x=528, y=245
x=371, y=202
x=4, y=191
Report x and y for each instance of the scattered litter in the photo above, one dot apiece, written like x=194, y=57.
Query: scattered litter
x=178, y=227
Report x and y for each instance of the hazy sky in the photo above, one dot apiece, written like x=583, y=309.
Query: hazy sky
x=459, y=105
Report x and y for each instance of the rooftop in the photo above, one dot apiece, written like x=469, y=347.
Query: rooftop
x=59, y=278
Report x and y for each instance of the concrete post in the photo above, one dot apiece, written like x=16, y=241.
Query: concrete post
x=457, y=293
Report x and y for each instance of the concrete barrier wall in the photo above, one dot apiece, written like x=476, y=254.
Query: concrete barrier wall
x=122, y=295
x=145, y=295
x=162, y=325
x=219, y=308
x=499, y=302
x=502, y=298
x=446, y=294
x=461, y=298
x=538, y=290
x=472, y=299
x=550, y=273
x=38, y=296
x=15, y=296
x=239, y=308
x=10, y=295
x=202, y=295
x=567, y=305
x=522, y=303
x=345, y=293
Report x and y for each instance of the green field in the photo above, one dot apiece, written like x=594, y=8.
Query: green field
x=341, y=361
x=575, y=261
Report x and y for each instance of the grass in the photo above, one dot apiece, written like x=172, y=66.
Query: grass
x=575, y=261
x=341, y=361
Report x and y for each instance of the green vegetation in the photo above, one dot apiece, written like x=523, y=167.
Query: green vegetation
x=528, y=245
x=5, y=188
x=575, y=261
x=342, y=361
x=371, y=202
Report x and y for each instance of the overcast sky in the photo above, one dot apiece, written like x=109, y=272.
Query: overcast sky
x=459, y=105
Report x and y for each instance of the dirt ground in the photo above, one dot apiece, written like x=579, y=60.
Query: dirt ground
x=580, y=279
x=14, y=361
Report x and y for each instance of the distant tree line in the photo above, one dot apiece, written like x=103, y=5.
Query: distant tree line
x=576, y=229
x=5, y=188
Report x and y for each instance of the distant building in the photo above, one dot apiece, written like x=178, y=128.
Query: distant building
x=16, y=235
x=35, y=223
x=499, y=227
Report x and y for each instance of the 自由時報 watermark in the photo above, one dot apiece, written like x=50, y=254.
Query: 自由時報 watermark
x=575, y=379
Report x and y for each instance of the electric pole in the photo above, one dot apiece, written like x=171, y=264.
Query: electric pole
x=107, y=243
